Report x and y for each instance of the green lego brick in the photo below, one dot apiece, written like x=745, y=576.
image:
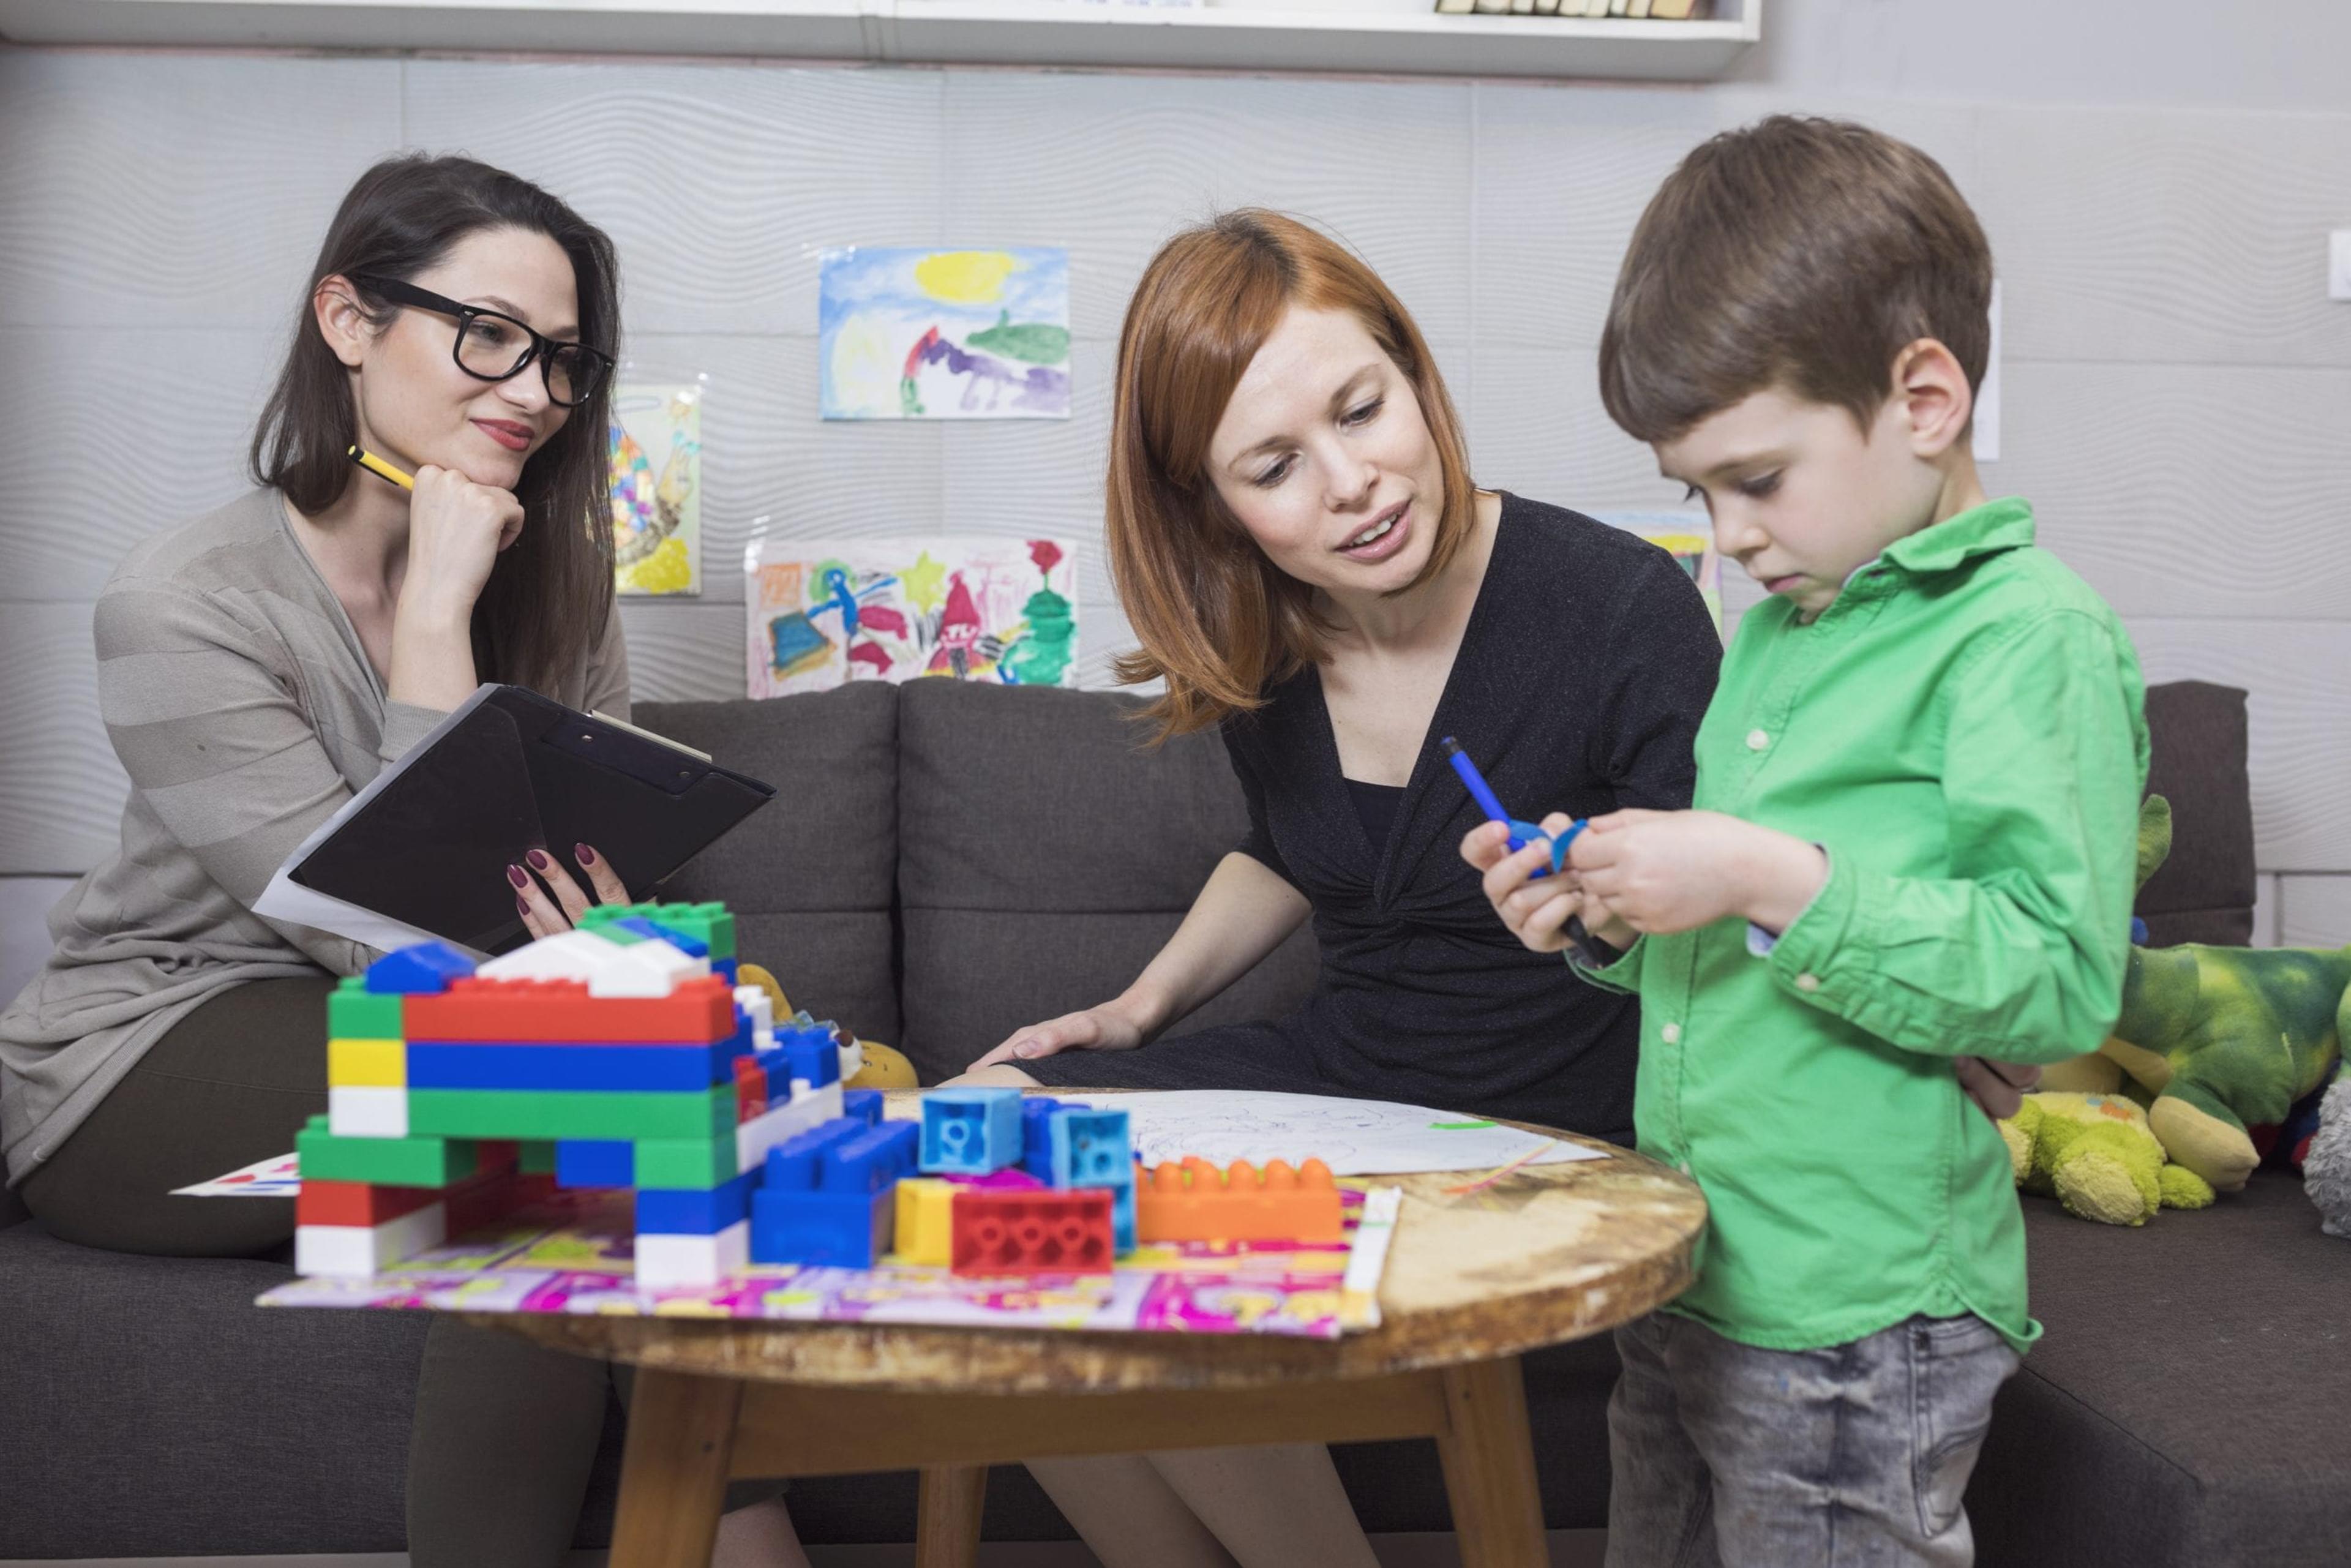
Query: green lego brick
x=709, y=924
x=532, y=1114
x=417, y=1160
x=353, y=1012
x=535, y=1156
x=697, y=1163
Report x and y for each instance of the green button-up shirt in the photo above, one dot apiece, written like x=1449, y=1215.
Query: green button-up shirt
x=1962, y=731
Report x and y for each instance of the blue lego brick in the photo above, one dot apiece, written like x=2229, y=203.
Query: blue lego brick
x=793, y=1164
x=695, y=1211
x=836, y=1229
x=872, y=1161
x=813, y=1053
x=828, y=1195
x=1091, y=1149
x=863, y=1105
x=1121, y=1216
x=422, y=970
x=1037, y=1136
x=970, y=1132
x=595, y=1162
x=433, y=1064
x=725, y=969
x=693, y=948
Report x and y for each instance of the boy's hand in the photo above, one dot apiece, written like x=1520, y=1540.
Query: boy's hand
x=1675, y=870
x=1535, y=904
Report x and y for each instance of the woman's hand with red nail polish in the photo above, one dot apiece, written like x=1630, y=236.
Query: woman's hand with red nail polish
x=559, y=903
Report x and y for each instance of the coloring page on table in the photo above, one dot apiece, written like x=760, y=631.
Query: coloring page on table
x=906, y=333
x=822, y=613
x=573, y=1254
x=1353, y=1137
x=279, y=1175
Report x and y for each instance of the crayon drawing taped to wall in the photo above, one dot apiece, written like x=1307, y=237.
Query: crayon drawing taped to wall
x=824, y=614
x=943, y=334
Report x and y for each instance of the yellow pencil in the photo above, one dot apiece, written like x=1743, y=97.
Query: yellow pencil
x=374, y=464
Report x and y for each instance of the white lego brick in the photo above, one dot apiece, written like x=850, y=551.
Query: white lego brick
x=755, y=1137
x=358, y=1252
x=665, y=1260
x=760, y=1007
x=853, y=1058
x=354, y=1112
x=649, y=969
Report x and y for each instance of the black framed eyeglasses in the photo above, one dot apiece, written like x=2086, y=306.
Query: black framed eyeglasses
x=495, y=347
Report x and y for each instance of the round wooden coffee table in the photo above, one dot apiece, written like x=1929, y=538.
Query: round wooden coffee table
x=1550, y=1253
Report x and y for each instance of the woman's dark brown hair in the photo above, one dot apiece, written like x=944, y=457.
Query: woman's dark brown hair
x=550, y=595
x=1217, y=621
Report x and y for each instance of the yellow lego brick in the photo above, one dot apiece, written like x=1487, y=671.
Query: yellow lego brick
x=925, y=1221
x=367, y=1064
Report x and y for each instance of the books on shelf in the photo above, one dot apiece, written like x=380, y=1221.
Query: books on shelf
x=1636, y=10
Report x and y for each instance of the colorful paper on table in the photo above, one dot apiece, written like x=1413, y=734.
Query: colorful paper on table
x=1353, y=1137
x=574, y=1256
x=1688, y=538
x=905, y=333
x=821, y=614
x=656, y=452
x=279, y=1175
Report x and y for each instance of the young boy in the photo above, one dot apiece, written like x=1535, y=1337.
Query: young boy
x=1914, y=838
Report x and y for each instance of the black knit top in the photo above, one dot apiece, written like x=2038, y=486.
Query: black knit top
x=1587, y=662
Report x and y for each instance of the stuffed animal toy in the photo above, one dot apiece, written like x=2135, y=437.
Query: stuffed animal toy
x=2222, y=1040
x=2327, y=1164
x=2096, y=1154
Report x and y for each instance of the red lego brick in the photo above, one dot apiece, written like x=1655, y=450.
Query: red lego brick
x=699, y=1011
x=750, y=1090
x=492, y=1195
x=1063, y=1231
x=1197, y=1202
x=358, y=1202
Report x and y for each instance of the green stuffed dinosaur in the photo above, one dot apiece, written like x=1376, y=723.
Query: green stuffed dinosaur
x=2221, y=1039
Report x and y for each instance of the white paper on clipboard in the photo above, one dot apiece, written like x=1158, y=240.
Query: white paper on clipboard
x=288, y=900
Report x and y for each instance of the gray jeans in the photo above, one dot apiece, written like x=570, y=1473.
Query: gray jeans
x=1856, y=1456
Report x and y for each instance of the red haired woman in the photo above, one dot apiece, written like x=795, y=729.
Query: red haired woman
x=1304, y=558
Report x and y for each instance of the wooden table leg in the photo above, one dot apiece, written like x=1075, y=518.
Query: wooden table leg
x=674, y=1470
x=947, y=1516
x=1489, y=1466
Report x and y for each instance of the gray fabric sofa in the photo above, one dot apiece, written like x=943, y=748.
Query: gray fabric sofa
x=945, y=862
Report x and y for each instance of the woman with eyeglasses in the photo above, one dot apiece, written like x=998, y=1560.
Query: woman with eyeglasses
x=259, y=665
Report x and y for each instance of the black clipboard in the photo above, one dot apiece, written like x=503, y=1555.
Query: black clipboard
x=427, y=845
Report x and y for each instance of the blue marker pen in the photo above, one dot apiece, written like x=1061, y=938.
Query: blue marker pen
x=1521, y=834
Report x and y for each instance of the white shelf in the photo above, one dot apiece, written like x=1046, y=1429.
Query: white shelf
x=1354, y=35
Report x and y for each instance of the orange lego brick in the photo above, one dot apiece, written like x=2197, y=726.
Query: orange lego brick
x=699, y=1011
x=1197, y=1202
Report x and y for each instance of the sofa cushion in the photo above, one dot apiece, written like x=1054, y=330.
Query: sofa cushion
x=811, y=875
x=153, y=1410
x=2204, y=892
x=1045, y=853
x=2180, y=1409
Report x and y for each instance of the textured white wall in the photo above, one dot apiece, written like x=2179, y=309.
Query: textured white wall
x=2179, y=388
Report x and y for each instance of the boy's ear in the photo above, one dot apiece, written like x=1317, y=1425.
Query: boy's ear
x=1934, y=392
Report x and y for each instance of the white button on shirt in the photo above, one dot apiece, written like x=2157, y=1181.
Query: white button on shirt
x=1671, y=1034
x=1808, y=982
x=1757, y=740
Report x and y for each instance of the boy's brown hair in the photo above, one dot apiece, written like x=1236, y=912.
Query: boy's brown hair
x=1796, y=252
x=1217, y=621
